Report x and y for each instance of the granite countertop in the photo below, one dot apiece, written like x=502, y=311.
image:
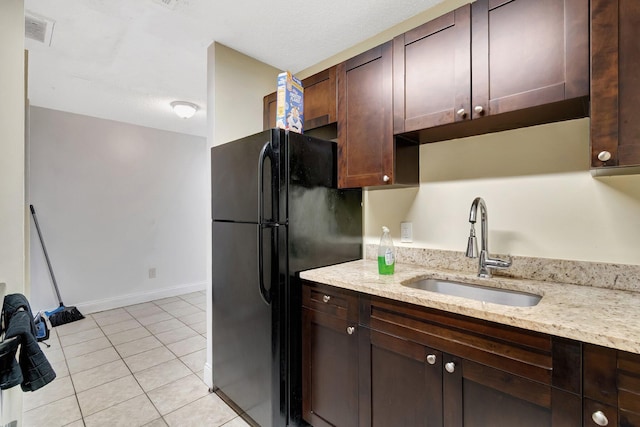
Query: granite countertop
x=596, y=315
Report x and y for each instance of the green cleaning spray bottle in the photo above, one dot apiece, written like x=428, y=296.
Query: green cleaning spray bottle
x=386, y=253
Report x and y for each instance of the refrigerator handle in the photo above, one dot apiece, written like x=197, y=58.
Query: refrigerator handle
x=265, y=293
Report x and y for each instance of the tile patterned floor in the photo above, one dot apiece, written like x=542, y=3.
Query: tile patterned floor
x=140, y=365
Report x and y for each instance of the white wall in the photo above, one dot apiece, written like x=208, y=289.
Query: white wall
x=541, y=197
x=113, y=201
x=236, y=84
x=12, y=166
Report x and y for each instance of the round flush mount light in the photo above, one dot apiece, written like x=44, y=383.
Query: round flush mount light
x=184, y=109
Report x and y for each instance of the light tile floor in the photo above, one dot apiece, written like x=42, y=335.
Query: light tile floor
x=140, y=365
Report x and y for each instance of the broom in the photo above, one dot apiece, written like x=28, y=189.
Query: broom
x=62, y=314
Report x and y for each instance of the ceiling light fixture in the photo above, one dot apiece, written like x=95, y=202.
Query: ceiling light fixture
x=183, y=109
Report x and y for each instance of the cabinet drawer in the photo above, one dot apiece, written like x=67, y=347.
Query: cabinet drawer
x=327, y=299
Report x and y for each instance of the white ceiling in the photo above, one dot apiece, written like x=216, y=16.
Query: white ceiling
x=126, y=60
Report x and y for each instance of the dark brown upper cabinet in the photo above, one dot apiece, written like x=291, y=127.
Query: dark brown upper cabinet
x=492, y=65
x=432, y=72
x=320, y=101
x=368, y=153
x=615, y=85
x=269, y=111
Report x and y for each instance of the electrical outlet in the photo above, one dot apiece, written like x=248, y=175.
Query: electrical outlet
x=152, y=273
x=406, y=232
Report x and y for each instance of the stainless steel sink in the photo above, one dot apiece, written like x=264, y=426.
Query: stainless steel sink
x=477, y=292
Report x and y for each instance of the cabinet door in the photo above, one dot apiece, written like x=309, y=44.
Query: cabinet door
x=330, y=370
x=320, y=99
x=365, y=119
x=406, y=383
x=478, y=396
x=615, y=83
x=527, y=53
x=432, y=73
x=611, y=387
x=269, y=111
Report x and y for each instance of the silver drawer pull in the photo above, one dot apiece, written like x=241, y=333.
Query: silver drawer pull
x=326, y=298
x=450, y=367
x=431, y=359
x=600, y=418
x=350, y=330
x=603, y=156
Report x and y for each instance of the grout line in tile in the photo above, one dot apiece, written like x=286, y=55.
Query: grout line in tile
x=127, y=366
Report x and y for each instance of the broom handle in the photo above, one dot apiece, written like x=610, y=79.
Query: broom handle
x=46, y=255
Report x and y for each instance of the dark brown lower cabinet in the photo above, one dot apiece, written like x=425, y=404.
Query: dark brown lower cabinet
x=414, y=385
x=330, y=359
x=405, y=389
x=371, y=361
x=611, y=387
x=491, y=397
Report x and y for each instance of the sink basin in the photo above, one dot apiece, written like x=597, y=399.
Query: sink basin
x=477, y=292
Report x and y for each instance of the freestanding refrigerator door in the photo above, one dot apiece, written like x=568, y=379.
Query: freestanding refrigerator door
x=245, y=361
x=235, y=170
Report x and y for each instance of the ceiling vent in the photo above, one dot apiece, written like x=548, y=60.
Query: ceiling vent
x=38, y=27
x=169, y=4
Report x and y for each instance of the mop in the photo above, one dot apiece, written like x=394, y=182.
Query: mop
x=62, y=314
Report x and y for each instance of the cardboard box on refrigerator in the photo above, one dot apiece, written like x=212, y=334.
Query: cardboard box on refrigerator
x=289, y=103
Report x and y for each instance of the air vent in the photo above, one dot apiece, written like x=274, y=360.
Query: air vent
x=169, y=4
x=38, y=27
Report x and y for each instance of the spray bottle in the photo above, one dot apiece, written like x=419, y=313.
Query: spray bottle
x=386, y=253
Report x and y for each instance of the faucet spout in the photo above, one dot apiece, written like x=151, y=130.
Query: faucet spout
x=485, y=262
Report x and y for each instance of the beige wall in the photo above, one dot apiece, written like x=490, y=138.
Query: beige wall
x=12, y=146
x=542, y=199
x=12, y=170
x=240, y=84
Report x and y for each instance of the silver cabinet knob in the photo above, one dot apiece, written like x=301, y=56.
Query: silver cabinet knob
x=431, y=359
x=350, y=330
x=461, y=112
x=326, y=298
x=600, y=418
x=603, y=156
x=478, y=109
x=450, y=367
x=386, y=178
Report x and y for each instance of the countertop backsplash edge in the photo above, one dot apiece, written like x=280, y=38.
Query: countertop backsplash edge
x=622, y=277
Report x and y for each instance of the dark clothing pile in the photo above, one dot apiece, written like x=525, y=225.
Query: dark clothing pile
x=33, y=370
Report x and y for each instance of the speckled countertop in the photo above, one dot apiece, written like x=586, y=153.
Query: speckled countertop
x=597, y=315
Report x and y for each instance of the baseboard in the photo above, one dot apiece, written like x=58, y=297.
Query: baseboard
x=137, y=298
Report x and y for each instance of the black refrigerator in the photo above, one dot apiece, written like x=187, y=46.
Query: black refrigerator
x=276, y=211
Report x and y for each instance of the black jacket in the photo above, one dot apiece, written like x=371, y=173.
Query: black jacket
x=34, y=370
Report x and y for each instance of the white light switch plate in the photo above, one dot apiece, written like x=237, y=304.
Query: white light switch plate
x=406, y=232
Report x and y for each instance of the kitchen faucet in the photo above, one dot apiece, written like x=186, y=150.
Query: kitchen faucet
x=485, y=262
